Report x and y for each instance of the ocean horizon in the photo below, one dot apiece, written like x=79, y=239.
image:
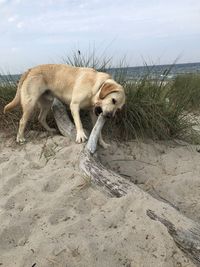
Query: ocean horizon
x=170, y=71
x=158, y=71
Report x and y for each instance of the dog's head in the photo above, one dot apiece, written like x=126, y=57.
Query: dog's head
x=110, y=99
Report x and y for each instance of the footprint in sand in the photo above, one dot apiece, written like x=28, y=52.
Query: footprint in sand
x=19, y=200
x=13, y=236
x=10, y=204
x=52, y=185
x=56, y=179
x=62, y=215
x=12, y=181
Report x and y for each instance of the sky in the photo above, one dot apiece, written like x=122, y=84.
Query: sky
x=152, y=31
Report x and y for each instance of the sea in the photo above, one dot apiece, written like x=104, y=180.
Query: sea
x=135, y=73
x=158, y=71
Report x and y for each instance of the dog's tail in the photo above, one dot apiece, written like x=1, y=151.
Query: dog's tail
x=16, y=101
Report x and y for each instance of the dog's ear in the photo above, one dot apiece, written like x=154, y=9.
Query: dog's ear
x=107, y=89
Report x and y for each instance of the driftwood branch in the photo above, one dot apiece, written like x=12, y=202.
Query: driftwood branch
x=187, y=239
x=184, y=231
x=94, y=136
x=65, y=125
x=110, y=182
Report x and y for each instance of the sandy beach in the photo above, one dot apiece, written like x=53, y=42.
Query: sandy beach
x=71, y=71
x=52, y=216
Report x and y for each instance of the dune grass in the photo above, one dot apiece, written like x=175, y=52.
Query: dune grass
x=187, y=87
x=156, y=109
x=151, y=111
x=7, y=92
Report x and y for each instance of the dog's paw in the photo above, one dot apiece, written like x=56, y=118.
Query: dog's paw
x=81, y=137
x=20, y=140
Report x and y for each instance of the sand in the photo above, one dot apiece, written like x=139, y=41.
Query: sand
x=51, y=215
x=168, y=170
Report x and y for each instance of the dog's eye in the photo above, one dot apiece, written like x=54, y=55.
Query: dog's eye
x=114, y=101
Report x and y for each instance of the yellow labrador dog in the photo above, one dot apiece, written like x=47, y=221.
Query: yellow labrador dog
x=80, y=88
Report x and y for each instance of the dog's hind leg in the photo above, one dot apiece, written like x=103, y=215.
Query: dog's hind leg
x=30, y=93
x=45, y=104
x=27, y=110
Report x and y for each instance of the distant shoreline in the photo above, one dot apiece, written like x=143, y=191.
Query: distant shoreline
x=155, y=71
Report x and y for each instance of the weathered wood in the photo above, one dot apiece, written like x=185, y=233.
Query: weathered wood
x=65, y=125
x=184, y=231
x=110, y=182
x=91, y=145
x=188, y=240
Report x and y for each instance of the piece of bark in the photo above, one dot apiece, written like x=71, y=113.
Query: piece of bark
x=184, y=231
x=65, y=125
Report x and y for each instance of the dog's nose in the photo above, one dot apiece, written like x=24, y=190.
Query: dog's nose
x=97, y=111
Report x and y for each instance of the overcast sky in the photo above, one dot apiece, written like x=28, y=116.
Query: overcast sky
x=44, y=31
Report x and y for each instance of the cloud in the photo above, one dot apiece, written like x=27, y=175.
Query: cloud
x=2, y=2
x=12, y=18
x=14, y=49
x=108, y=17
x=138, y=26
x=20, y=24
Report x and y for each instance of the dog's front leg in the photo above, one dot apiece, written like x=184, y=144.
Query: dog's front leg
x=80, y=136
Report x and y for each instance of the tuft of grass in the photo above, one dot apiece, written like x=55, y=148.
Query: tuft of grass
x=187, y=87
x=8, y=84
x=156, y=109
x=88, y=59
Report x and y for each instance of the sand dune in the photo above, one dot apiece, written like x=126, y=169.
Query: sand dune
x=164, y=169
x=51, y=215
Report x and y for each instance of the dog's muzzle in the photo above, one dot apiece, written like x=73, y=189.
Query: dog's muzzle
x=98, y=110
x=109, y=115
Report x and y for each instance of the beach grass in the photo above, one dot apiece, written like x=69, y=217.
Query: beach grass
x=151, y=111
x=187, y=87
x=7, y=92
x=157, y=109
